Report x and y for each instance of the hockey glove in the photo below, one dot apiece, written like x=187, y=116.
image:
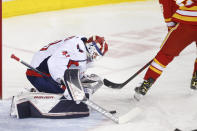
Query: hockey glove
x=91, y=83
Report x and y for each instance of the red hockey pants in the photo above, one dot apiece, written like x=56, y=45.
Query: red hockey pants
x=176, y=40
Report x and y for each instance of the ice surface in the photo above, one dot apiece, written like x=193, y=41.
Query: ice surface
x=134, y=32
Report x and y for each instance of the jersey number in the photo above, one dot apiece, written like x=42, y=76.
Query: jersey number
x=47, y=46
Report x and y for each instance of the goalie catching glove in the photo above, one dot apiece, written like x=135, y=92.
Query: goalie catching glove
x=91, y=83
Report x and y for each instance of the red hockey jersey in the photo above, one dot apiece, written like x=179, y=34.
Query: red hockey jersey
x=181, y=11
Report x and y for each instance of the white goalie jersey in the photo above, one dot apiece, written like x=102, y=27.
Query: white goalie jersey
x=69, y=53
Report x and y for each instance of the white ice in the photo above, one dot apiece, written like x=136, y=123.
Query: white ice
x=134, y=32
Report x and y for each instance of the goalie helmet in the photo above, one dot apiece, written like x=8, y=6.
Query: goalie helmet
x=96, y=47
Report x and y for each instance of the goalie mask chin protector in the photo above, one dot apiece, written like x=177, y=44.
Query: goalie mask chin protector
x=96, y=47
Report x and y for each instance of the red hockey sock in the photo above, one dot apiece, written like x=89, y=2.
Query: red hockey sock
x=158, y=65
x=151, y=74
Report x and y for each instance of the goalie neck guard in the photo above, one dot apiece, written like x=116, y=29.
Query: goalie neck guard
x=96, y=47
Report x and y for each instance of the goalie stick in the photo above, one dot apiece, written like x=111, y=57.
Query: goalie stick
x=71, y=79
x=119, y=120
x=122, y=119
x=121, y=85
x=24, y=63
x=32, y=68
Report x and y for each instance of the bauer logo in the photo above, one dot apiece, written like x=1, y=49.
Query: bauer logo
x=43, y=97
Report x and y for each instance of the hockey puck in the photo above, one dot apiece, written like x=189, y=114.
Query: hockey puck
x=112, y=112
x=177, y=129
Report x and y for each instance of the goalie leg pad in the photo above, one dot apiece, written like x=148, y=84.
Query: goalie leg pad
x=45, y=105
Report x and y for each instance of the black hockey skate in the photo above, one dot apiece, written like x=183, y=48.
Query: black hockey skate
x=142, y=90
x=194, y=82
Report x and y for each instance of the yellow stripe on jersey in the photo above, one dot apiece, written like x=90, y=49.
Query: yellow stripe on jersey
x=156, y=61
x=168, y=20
x=155, y=70
x=193, y=8
x=196, y=61
x=185, y=18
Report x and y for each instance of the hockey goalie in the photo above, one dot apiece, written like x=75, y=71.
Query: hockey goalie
x=60, y=91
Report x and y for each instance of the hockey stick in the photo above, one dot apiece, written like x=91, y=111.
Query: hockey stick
x=32, y=68
x=119, y=120
x=121, y=85
x=71, y=79
x=29, y=66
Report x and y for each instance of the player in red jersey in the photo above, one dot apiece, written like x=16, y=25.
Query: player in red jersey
x=181, y=19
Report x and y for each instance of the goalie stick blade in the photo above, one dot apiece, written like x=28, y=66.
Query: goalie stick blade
x=112, y=85
x=101, y=110
x=130, y=115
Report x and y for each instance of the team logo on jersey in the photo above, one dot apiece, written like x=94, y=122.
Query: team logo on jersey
x=65, y=53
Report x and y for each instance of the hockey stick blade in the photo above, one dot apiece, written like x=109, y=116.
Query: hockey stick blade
x=121, y=85
x=112, y=85
x=130, y=115
x=119, y=120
